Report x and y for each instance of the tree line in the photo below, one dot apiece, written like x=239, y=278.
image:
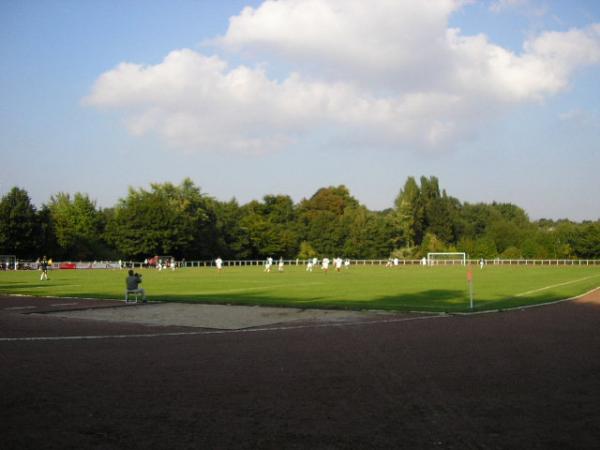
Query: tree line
x=183, y=222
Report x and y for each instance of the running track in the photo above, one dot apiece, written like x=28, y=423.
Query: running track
x=514, y=380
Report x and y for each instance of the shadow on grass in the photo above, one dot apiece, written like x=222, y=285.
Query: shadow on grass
x=432, y=300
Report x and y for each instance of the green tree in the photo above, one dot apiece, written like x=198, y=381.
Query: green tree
x=466, y=245
x=563, y=236
x=306, y=251
x=181, y=221
x=321, y=219
x=46, y=236
x=409, y=214
x=512, y=213
x=485, y=247
x=476, y=218
x=232, y=238
x=281, y=215
x=167, y=220
x=511, y=253
x=369, y=234
x=531, y=248
x=439, y=210
x=586, y=241
x=425, y=209
x=270, y=227
x=432, y=243
x=77, y=226
x=18, y=224
x=359, y=241
x=263, y=240
x=505, y=234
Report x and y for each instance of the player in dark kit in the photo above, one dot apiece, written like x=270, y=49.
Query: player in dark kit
x=44, y=269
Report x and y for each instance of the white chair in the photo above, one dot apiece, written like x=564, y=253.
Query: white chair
x=134, y=292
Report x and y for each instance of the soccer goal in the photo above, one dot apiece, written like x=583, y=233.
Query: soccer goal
x=446, y=258
x=7, y=262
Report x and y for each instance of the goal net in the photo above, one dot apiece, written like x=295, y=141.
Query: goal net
x=446, y=258
x=7, y=262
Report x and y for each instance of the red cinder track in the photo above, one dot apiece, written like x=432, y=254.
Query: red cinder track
x=515, y=380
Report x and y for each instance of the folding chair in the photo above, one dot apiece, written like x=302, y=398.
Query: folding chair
x=135, y=293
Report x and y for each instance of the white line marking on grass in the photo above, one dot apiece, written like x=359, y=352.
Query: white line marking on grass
x=533, y=291
x=523, y=307
x=202, y=333
x=33, y=287
x=44, y=286
x=257, y=288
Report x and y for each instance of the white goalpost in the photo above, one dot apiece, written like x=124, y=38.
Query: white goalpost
x=7, y=262
x=446, y=258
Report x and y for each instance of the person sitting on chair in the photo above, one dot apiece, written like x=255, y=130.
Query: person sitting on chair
x=133, y=281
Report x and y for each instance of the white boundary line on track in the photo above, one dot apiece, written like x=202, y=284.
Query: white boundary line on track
x=19, y=308
x=201, y=333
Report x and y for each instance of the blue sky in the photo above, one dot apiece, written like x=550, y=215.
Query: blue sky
x=498, y=99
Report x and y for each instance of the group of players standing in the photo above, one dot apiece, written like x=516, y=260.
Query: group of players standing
x=337, y=264
x=311, y=263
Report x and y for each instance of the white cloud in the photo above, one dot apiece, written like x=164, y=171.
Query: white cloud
x=388, y=72
x=526, y=7
x=502, y=5
x=542, y=69
x=581, y=118
x=344, y=38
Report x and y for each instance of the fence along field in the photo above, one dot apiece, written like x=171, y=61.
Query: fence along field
x=442, y=288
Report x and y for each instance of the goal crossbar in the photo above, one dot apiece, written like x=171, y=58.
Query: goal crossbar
x=446, y=258
x=8, y=262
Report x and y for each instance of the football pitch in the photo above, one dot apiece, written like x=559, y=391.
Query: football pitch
x=404, y=288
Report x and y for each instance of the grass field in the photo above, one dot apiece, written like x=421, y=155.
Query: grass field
x=438, y=289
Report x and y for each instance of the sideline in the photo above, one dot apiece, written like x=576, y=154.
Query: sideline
x=211, y=332
x=258, y=288
x=523, y=307
x=533, y=291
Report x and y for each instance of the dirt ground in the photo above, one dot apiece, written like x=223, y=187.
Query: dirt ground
x=523, y=379
x=222, y=317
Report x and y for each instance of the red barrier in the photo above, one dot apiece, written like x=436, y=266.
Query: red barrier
x=67, y=266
